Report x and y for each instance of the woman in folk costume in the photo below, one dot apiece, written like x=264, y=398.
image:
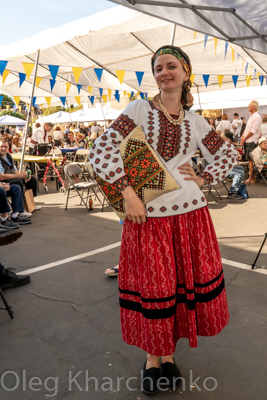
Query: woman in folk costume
x=171, y=281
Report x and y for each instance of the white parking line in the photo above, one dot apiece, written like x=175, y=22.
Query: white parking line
x=112, y=246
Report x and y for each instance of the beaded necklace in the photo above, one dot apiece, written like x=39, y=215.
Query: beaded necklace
x=169, y=118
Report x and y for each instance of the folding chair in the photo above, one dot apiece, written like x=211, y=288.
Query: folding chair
x=79, y=185
x=81, y=157
x=7, y=306
x=90, y=176
x=258, y=174
x=210, y=188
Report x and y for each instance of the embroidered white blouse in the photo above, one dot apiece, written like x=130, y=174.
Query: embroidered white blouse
x=175, y=144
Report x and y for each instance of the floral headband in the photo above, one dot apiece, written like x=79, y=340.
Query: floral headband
x=176, y=52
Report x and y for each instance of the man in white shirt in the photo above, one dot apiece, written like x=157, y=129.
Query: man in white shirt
x=40, y=135
x=236, y=125
x=95, y=129
x=251, y=135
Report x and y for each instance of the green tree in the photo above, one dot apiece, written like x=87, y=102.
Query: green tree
x=12, y=113
x=7, y=100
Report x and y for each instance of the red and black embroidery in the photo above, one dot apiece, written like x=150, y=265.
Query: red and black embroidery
x=121, y=183
x=163, y=209
x=124, y=125
x=150, y=209
x=169, y=141
x=208, y=177
x=175, y=207
x=213, y=142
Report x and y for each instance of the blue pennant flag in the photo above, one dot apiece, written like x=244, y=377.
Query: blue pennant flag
x=1, y=99
x=142, y=95
x=139, y=76
x=3, y=65
x=146, y=96
x=91, y=98
x=132, y=93
x=33, y=101
x=206, y=79
x=205, y=41
x=235, y=78
x=246, y=69
x=63, y=100
x=79, y=88
x=52, y=84
x=53, y=71
x=98, y=72
x=118, y=98
x=100, y=92
x=22, y=78
x=226, y=48
x=14, y=108
x=261, y=79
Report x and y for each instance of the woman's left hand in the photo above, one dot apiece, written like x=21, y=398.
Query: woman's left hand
x=187, y=169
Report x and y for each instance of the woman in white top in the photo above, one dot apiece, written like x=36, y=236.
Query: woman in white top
x=224, y=124
x=264, y=127
x=16, y=145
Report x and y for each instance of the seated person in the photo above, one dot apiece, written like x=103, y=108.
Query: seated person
x=9, y=173
x=237, y=173
x=259, y=155
x=58, y=136
x=16, y=145
x=40, y=135
x=18, y=215
x=79, y=140
x=70, y=141
x=50, y=139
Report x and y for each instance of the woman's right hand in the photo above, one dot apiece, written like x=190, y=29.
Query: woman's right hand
x=135, y=208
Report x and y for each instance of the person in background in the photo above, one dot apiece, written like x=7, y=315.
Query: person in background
x=58, y=136
x=95, y=129
x=251, y=135
x=243, y=126
x=16, y=145
x=259, y=154
x=223, y=124
x=236, y=126
x=80, y=140
x=212, y=123
x=264, y=127
x=40, y=135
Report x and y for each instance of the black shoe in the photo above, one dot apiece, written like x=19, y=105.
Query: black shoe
x=149, y=380
x=22, y=220
x=9, y=224
x=234, y=196
x=9, y=279
x=172, y=374
x=8, y=236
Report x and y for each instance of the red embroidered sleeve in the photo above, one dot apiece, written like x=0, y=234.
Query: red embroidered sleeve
x=121, y=183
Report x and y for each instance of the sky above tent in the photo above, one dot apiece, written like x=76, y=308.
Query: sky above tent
x=26, y=18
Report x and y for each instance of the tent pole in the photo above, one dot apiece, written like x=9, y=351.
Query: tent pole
x=173, y=34
x=30, y=111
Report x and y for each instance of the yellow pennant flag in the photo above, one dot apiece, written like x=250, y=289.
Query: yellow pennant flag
x=68, y=85
x=16, y=99
x=124, y=92
x=120, y=76
x=215, y=44
x=195, y=34
x=76, y=72
x=258, y=74
x=4, y=75
x=129, y=94
x=220, y=79
x=109, y=93
x=243, y=64
x=19, y=108
x=28, y=67
x=78, y=99
x=104, y=97
x=248, y=78
x=233, y=55
x=38, y=81
x=137, y=94
x=192, y=77
x=90, y=90
x=48, y=100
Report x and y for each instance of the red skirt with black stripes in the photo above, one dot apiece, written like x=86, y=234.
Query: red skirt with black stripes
x=171, y=282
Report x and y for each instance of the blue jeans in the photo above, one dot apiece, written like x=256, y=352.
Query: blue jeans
x=16, y=199
x=237, y=174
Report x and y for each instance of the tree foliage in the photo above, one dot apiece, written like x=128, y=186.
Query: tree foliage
x=12, y=113
x=7, y=100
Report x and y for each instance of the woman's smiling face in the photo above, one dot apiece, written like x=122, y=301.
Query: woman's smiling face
x=169, y=73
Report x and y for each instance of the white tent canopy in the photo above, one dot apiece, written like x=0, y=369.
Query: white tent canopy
x=9, y=120
x=59, y=117
x=120, y=39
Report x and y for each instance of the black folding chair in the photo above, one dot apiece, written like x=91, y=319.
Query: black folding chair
x=7, y=306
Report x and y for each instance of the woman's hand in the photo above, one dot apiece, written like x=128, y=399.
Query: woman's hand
x=187, y=169
x=135, y=208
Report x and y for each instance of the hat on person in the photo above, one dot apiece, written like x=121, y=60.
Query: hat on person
x=229, y=135
x=262, y=139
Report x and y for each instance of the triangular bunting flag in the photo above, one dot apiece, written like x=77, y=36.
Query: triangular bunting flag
x=22, y=78
x=76, y=72
x=63, y=100
x=105, y=97
x=38, y=81
x=90, y=90
x=28, y=67
x=215, y=44
x=220, y=79
x=52, y=84
x=109, y=93
x=137, y=94
x=243, y=64
x=132, y=93
x=233, y=55
x=118, y=98
x=78, y=99
x=258, y=74
x=120, y=76
x=248, y=78
x=53, y=70
x=129, y=94
x=91, y=98
x=235, y=78
x=192, y=77
x=139, y=76
x=98, y=72
x=142, y=95
x=124, y=93
x=246, y=68
x=1, y=99
x=16, y=99
x=4, y=75
x=206, y=79
x=79, y=88
x=33, y=101
x=226, y=47
x=68, y=85
x=48, y=100
x=100, y=92
x=205, y=41
x=261, y=78
x=195, y=34
x=3, y=65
